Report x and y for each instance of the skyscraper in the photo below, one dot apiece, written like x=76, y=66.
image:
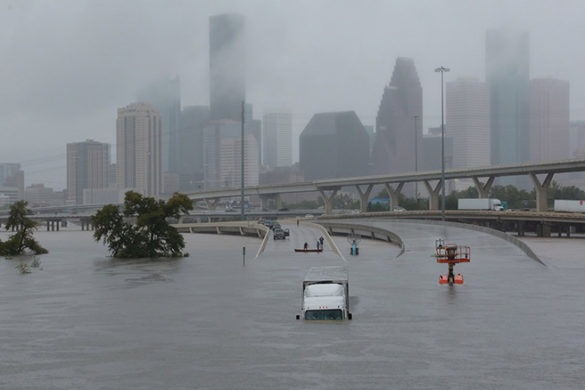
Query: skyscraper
x=277, y=139
x=222, y=155
x=468, y=122
x=334, y=144
x=549, y=120
x=227, y=84
x=165, y=96
x=190, y=169
x=139, y=149
x=396, y=127
x=11, y=183
x=577, y=131
x=507, y=73
x=87, y=168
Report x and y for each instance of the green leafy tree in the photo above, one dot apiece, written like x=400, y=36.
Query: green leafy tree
x=451, y=199
x=345, y=201
x=569, y=193
x=305, y=204
x=150, y=234
x=515, y=198
x=23, y=239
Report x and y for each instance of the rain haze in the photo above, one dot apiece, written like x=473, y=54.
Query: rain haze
x=68, y=65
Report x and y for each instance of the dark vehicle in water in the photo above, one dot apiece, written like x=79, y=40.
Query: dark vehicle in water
x=278, y=234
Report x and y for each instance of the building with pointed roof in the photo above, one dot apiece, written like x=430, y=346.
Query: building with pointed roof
x=397, y=130
x=334, y=144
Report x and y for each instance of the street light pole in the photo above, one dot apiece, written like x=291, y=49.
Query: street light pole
x=242, y=163
x=416, y=158
x=442, y=69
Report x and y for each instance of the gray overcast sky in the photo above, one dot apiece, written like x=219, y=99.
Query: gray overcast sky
x=67, y=65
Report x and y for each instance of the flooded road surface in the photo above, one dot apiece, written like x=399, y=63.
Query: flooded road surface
x=85, y=321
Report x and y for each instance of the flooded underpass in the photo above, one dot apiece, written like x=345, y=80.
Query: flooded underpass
x=210, y=322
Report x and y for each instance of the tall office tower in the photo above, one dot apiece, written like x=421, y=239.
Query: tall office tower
x=193, y=121
x=165, y=96
x=139, y=149
x=334, y=144
x=507, y=73
x=227, y=84
x=468, y=119
x=549, y=120
x=577, y=132
x=277, y=139
x=11, y=182
x=396, y=128
x=222, y=155
x=372, y=135
x=87, y=168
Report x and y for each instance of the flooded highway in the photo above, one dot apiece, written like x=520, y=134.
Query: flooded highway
x=86, y=321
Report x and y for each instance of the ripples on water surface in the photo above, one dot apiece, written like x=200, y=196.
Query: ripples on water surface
x=86, y=321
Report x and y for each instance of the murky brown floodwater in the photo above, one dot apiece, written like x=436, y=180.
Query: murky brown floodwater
x=86, y=321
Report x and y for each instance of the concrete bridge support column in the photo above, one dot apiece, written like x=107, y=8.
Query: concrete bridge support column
x=541, y=190
x=328, y=200
x=277, y=201
x=58, y=222
x=394, y=194
x=544, y=229
x=520, y=226
x=212, y=203
x=483, y=189
x=364, y=197
x=266, y=201
x=86, y=223
x=433, y=194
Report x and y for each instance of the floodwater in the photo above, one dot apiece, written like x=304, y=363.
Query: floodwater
x=86, y=321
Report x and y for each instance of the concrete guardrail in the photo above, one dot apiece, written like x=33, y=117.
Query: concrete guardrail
x=239, y=228
x=371, y=232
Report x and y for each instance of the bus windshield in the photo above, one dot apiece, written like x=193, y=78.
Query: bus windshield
x=333, y=314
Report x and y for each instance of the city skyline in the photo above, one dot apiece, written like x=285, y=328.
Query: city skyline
x=291, y=66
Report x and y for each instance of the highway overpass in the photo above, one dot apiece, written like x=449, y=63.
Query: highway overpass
x=541, y=175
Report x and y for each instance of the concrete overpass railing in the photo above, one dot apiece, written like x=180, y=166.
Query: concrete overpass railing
x=240, y=228
x=367, y=231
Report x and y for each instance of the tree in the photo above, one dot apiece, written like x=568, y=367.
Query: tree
x=344, y=201
x=23, y=238
x=515, y=198
x=150, y=235
x=570, y=193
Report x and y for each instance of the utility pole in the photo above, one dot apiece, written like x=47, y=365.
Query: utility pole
x=243, y=217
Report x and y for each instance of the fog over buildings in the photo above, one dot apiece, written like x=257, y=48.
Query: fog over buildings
x=67, y=66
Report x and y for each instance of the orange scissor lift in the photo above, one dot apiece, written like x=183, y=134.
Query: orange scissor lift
x=451, y=254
